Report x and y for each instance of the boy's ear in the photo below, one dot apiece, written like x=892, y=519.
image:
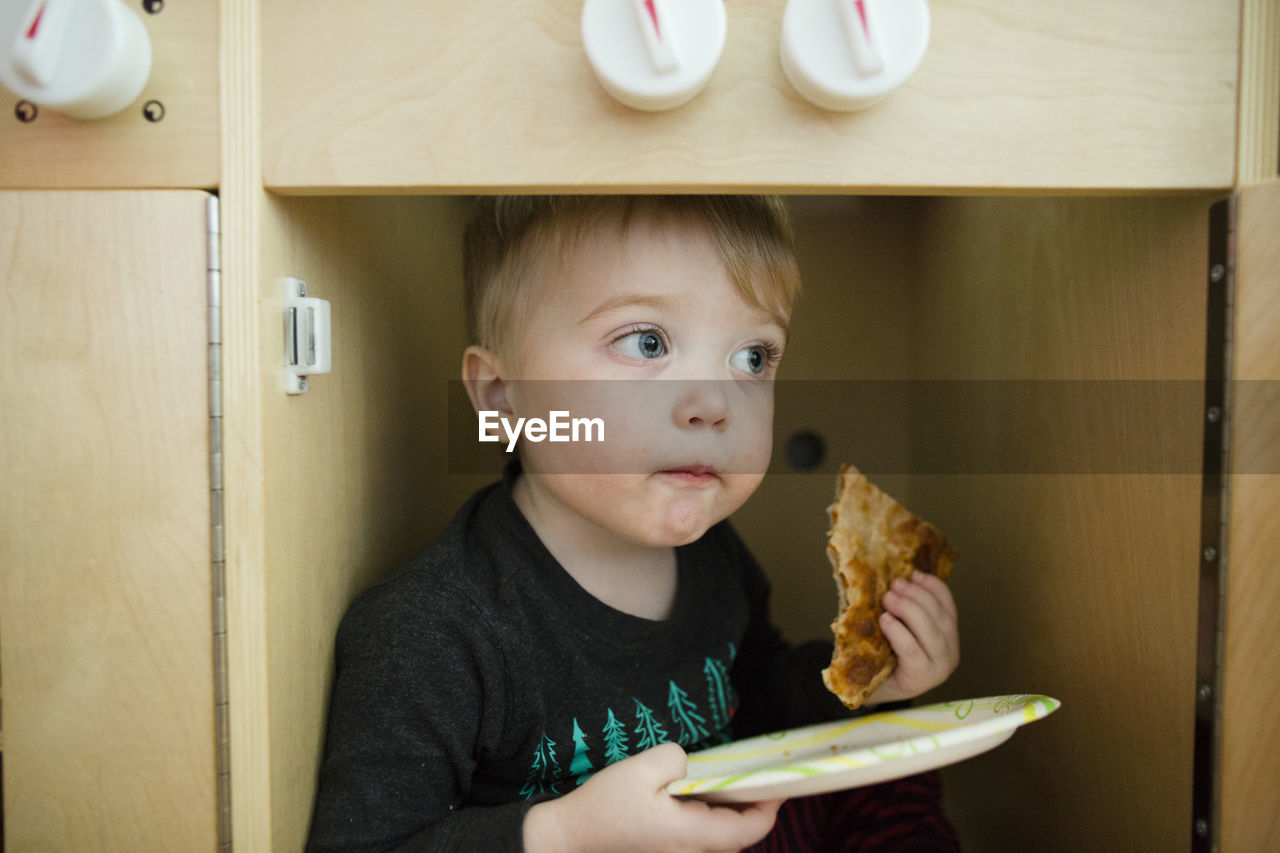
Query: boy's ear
x=485, y=378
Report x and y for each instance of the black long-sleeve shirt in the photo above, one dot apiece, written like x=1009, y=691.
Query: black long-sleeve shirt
x=482, y=678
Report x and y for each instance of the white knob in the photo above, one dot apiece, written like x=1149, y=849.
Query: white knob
x=653, y=54
x=86, y=58
x=847, y=54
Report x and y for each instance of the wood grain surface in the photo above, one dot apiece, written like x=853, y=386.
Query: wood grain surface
x=105, y=590
x=126, y=150
x=1251, y=684
x=398, y=95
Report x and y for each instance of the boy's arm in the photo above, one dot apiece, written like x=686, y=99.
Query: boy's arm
x=405, y=715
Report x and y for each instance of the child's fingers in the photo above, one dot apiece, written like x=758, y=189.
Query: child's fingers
x=938, y=604
x=938, y=588
x=924, y=626
x=904, y=643
x=727, y=827
x=920, y=596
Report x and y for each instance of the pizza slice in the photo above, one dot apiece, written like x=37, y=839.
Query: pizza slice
x=873, y=540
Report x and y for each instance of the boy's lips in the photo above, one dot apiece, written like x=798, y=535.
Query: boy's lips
x=692, y=473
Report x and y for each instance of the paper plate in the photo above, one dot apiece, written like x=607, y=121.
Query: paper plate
x=858, y=751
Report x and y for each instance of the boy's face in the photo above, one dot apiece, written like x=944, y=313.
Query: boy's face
x=647, y=331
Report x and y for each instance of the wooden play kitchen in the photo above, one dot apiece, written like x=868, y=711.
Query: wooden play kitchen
x=1065, y=196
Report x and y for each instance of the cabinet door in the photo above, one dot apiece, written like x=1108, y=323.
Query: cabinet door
x=105, y=595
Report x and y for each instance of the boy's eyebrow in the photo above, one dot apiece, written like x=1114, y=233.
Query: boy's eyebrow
x=628, y=300
x=644, y=300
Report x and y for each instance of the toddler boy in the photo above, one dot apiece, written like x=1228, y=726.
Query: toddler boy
x=535, y=678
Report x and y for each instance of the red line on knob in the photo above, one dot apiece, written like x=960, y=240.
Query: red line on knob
x=862, y=14
x=653, y=15
x=35, y=25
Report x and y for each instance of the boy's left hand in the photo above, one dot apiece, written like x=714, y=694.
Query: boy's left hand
x=920, y=624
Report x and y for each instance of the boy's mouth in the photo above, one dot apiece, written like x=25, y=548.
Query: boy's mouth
x=692, y=473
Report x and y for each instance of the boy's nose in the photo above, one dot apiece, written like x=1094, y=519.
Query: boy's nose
x=702, y=404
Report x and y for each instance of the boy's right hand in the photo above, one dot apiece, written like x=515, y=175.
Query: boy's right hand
x=625, y=807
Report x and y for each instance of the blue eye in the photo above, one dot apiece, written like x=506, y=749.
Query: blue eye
x=754, y=360
x=647, y=344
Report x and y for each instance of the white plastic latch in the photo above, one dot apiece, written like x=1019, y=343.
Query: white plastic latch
x=307, y=344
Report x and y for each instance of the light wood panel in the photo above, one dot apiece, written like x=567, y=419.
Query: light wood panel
x=356, y=468
x=243, y=230
x=1251, y=684
x=399, y=95
x=326, y=491
x=1083, y=582
x=1258, y=138
x=127, y=150
x=1076, y=578
x=104, y=523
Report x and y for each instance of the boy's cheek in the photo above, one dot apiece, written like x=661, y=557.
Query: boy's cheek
x=627, y=428
x=605, y=446
x=738, y=488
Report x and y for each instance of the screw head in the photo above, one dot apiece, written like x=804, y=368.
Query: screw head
x=1202, y=827
x=1213, y=414
x=1210, y=553
x=1217, y=272
x=1204, y=692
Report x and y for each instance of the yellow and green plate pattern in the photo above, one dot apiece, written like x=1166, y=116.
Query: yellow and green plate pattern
x=859, y=751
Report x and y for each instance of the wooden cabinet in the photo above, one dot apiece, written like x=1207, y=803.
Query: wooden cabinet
x=1032, y=207
x=1079, y=581
x=1039, y=95
x=1078, y=518
x=106, y=597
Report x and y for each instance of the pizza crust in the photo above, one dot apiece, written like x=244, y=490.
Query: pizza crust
x=873, y=540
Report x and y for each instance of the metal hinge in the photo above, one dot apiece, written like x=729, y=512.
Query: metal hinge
x=222, y=752
x=1207, y=756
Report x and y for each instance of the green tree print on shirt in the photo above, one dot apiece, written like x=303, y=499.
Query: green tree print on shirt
x=693, y=726
x=543, y=772
x=580, y=767
x=718, y=691
x=615, y=740
x=650, y=730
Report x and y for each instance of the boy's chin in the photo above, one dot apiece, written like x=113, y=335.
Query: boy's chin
x=676, y=539
x=675, y=529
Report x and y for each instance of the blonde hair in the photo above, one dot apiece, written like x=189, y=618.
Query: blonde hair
x=511, y=242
